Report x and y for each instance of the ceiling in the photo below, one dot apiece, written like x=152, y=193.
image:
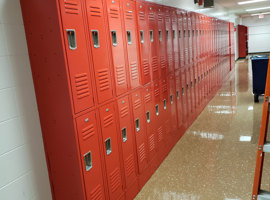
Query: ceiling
x=240, y=10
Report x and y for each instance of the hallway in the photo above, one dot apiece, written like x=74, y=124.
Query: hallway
x=215, y=159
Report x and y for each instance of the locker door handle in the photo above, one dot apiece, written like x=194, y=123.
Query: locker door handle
x=124, y=134
x=157, y=110
x=142, y=37
x=148, y=117
x=95, y=37
x=177, y=94
x=137, y=125
x=71, y=36
x=114, y=38
x=171, y=99
x=88, y=161
x=164, y=104
x=129, y=37
x=108, y=146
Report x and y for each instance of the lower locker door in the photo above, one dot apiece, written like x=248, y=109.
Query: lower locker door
x=178, y=98
x=184, y=97
x=127, y=140
x=139, y=129
x=165, y=106
x=90, y=156
x=188, y=91
x=111, y=150
x=172, y=102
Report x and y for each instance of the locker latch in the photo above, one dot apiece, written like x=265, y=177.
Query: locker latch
x=124, y=134
x=137, y=124
x=148, y=117
x=157, y=110
x=129, y=37
x=95, y=37
x=171, y=99
x=164, y=104
x=114, y=38
x=177, y=95
x=142, y=36
x=71, y=36
x=88, y=161
x=108, y=146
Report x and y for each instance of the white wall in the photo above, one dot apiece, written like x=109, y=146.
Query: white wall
x=259, y=33
x=23, y=170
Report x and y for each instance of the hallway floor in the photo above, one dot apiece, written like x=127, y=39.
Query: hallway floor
x=215, y=159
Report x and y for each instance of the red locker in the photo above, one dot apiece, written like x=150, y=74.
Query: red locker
x=169, y=39
x=154, y=38
x=128, y=141
x=165, y=106
x=117, y=46
x=111, y=150
x=75, y=43
x=181, y=39
x=162, y=48
x=99, y=46
x=90, y=155
x=139, y=129
x=179, y=99
x=184, y=97
x=130, y=32
x=186, y=39
x=144, y=40
x=173, y=103
x=175, y=34
x=150, y=120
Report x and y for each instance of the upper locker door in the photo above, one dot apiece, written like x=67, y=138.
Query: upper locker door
x=90, y=155
x=169, y=36
x=185, y=37
x=127, y=138
x=175, y=37
x=144, y=37
x=111, y=149
x=77, y=57
x=100, y=50
x=162, y=42
x=153, y=34
x=117, y=42
x=181, y=39
x=130, y=32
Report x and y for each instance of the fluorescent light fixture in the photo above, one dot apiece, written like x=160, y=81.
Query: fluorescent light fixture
x=250, y=108
x=254, y=9
x=249, y=2
x=266, y=13
x=245, y=138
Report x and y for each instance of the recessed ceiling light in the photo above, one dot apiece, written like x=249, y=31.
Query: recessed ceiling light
x=254, y=9
x=249, y=2
x=266, y=13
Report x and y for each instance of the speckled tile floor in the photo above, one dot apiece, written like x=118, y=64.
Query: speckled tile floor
x=215, y=159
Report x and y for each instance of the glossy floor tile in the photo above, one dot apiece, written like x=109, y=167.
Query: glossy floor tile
x=215, y=159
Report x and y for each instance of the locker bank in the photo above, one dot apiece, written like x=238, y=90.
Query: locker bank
x=126, y=94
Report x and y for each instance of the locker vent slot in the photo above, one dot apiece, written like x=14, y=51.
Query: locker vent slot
x=187, y=87
x=71, y=7
x=134, y=70
x=115, y=179
x=95, y=11
x=108, y=120
x=114, y=38
x=151, y=35
x=82, y=85
x=160, y=35
x=103, y=79
x=157, y=92
x=129, y=14
x=157, y=110
x=137, y=125
x=124, y=111
x=96, y=193
x=141, y=15
x=129, y=37
x=177, y=94
x=184, y=33
x=71, y=36
x=193, y=33
x=191, y=84
x=162, y=62
x=108, y=146
x=179, y=34
x=114, y=13
x=160, y=17
x=148, y=117
x=171, y=99
x=88, y=132
x=147, y=98
x=124, y=134
x=121, y=75
x=152, y=142
x=164, y=104
x=145, y=68
x=129, y=165
x=173, y=34
x=183, y=91
x=155, y=64
x=160, y=134
x=95, y=37
x=164, y=88
x=141, y=152
x=137, y=104
x=151, y=16
x=142, y=36
x=88, y=161
x=167, y=34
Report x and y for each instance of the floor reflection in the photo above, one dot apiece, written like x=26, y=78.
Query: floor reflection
x=215, y=159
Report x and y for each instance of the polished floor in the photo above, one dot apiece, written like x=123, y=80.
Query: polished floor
x=215, y=159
